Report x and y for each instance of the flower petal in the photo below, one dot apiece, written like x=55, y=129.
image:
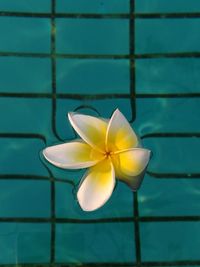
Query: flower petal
x=91, y=129
x=73, y=155
x=97, y=186
x=130, y=165
x=120, y=135
x=133, y=182
x=133, y=161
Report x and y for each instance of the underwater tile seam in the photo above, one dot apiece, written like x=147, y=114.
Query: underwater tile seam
x=142, y=219
x=29, y=177
x=132, y=61
x=99, y=96
x=160, y=15
x=111, y=264
x=174, y=175
x=152, y=174
x=136, y=228
x=53, y=77
x=24, y=135
x=53, y=124
x=101, y=56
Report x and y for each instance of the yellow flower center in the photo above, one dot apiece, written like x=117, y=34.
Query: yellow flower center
x=108, y=154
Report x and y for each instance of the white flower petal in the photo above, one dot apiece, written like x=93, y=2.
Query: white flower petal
x=120, y=135
x=73, y=155
x=91, y=129
x=133, y=182
x=133, y=161
x=130, y=165
x=97, y=186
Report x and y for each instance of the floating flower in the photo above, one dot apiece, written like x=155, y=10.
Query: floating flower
x=109, y=148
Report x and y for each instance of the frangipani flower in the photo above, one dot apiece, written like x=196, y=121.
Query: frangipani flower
x=109, y=148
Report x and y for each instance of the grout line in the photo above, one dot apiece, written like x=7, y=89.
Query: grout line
x=53, y=224
x=11, y=176
x=28, y=177
x=137, y=231
x=53, y=69
x=112, y=264
x=170, y=95
x=158, y=15
x=133, y=108
x=171, y=135
x=131, y=56
x=142, y=219
x=181, y=176
x=24, y=135
x=97, y=96
x=53, y=114
x=132, y=61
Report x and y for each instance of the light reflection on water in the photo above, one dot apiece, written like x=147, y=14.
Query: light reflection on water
x=21, y=196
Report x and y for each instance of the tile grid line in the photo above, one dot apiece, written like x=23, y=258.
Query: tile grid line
x=112, y=264
x=132, y=61
x=133, y=108
x=53, y=73
x=142, y=219
x=163, y=55
x=98, y=96
x=53, y=68
x=136, y=15
x=164, y=175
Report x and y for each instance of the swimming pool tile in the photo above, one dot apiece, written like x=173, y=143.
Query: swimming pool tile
x=170, y=241
x=169, y=75
x=24, y=35
x=24, y=243
x=20, y=156
x=120, y=204
x=25, y=75
x=181, y=150
x=169, y=197
x=64, y=106
x=155, y=6
x=19, y=115
x=102, y=243
x=166, y=36
x=87, y=36
x=95, y=6
x=90, y=76
x=160, y=115
x=19, y=198
x=25, y=6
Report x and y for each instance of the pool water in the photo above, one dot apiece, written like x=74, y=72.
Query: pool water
x=95, y=56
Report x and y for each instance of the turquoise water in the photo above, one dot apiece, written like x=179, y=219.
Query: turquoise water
x=79, y=58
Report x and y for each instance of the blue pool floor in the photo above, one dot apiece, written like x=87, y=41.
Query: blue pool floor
x=140, y=56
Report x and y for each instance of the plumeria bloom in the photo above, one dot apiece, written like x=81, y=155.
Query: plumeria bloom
x=109, y=148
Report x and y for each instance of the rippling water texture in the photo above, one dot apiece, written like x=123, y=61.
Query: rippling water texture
x=94, y=56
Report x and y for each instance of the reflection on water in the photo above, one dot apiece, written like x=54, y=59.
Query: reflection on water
x=40, y=220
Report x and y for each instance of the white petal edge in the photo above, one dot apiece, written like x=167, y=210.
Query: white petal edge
x=132, y=159
x=64, y=155
x=131, y=178
x=134, y=182
x=91, y=195
x=82, y=132
x=118, y=122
